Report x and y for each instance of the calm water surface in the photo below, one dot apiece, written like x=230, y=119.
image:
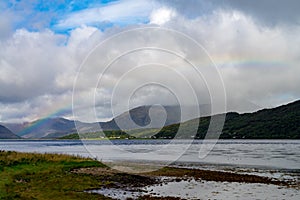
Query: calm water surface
x=277, y=154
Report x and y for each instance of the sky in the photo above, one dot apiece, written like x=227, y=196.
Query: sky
x=46, y=62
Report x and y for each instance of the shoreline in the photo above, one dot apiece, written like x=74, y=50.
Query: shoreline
x=207, y=175
x=191, y=181
x=24, y=175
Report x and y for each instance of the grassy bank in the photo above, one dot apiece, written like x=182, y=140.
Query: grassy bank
x=45, y=176
x=53, y=176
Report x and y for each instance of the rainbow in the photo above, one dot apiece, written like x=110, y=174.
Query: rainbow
x=40, y=122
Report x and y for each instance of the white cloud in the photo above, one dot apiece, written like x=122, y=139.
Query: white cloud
x=37, y=71
x=121, y=12
x=162, y=15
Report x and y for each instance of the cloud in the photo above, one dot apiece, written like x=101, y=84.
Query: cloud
x=29, y=64
x=37, y=70
x=268, y=12
x=5, y=26
x=161, y=16
x=257, y=54
x=123, y=12
x=36, y=108
x=259, y=65
x=264, y=12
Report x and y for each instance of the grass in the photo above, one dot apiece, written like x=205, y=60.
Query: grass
x=56, y=176
x=46, y=176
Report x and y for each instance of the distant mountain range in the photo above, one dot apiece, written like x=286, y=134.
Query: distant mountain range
x=280, y=122
x=5, y=133
x=133, y=119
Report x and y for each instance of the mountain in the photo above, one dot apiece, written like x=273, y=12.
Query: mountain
x=5, y=133
x=144, y=117
x=15, y=127
x=47, y=128
x=59, y=127
x=140, y=118
x=275, y=123
x=282, y=122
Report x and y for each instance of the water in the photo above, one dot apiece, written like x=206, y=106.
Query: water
x=193, y=189
x=271, y=154
x=278, y=159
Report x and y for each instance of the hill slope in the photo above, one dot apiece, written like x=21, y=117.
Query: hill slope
x=282, y=122
x=276, y=123
x=5, y=133
x=47, y=128
x=59, y=127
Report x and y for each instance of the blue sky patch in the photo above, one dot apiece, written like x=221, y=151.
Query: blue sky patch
x=63, y=16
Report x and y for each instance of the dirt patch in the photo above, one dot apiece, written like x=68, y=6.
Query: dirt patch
x=116, y=179
x=95, y=171
x=119, y=179
x=214, y=176
x=135, y=185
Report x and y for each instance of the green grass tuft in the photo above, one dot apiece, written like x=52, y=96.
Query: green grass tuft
x=46, y=176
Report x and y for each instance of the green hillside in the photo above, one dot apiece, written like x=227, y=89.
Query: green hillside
x=282, y=122
x=277, y=123
x=112, y=134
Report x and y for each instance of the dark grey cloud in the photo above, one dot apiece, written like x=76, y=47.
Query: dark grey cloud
x=192, y=8
x=268, y=12
x=265, y=12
